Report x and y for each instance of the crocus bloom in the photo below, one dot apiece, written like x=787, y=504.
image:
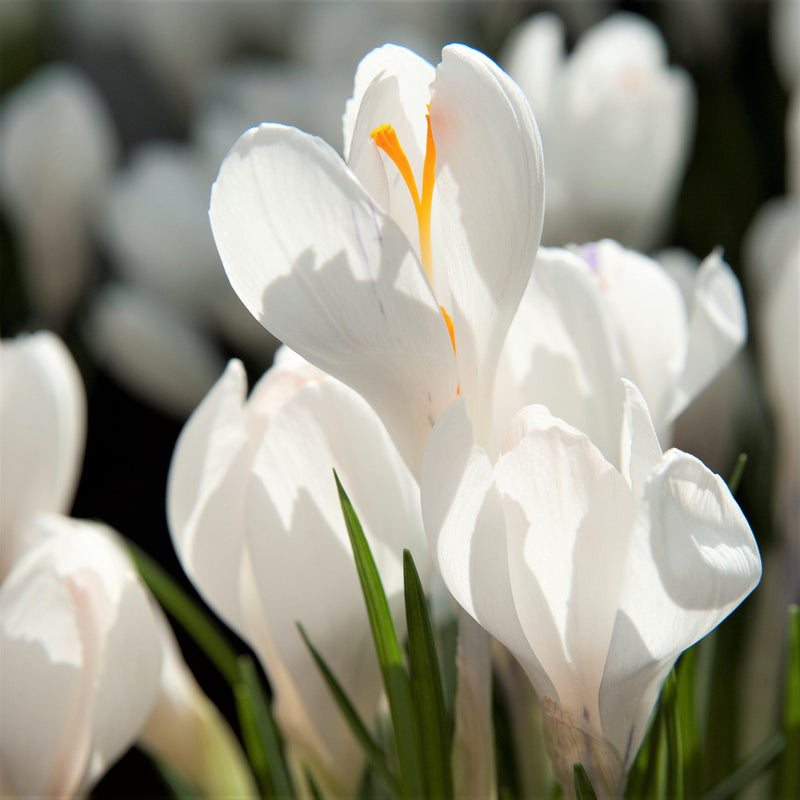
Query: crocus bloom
x=255, y=519
x=596, y=573
x=616, y=124
x=42, y=435
x=50, y=184
x=600, y=312
x=80, y=669
x=398, y=273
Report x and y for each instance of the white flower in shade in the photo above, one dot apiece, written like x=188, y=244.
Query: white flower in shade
x=382, y=270
x=153, y=349
x=616, y=123
x=595, y=573
x=600, y=312
x=58, y=151
x=255, y=519
x=81, y=659
x=42, y=435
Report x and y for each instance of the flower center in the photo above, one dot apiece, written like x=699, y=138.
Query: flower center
x=385, y=137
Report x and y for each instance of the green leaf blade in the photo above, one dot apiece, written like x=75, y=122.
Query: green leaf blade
x=426, y=684
x=259, y=721
x=789, y=776
x=373, y=750
x=583, y=786
x=390, y=657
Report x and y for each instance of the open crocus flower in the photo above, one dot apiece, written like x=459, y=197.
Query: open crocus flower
x=596, y=573
x=600, y=312
x=398, y=273
x=42, y=435
x=80, y=669
x=616, y=123
x=256, y=522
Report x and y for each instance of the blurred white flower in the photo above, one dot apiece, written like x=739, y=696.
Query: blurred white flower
x=58, y=150
x=595, y=572
x=151, y=348
x=785, y=30
x=80, y=669
x=42, y=436
x=255, y=519
x=616, y=122
x=600, y=312
x=382, y=270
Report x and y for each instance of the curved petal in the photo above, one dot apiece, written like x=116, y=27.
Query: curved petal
x=717, y=330
x=205, y=494
x=563, y=351
x=465, y=527
x=42, y=433
x=569, y=518
x=411, y=76
x=488, y=205
x=651, y=319
x=692, y=560
x=329, y=274
x=302, y=560
x=640, y=451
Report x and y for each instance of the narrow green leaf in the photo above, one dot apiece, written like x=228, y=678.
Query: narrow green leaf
x=193, y=619
x=789, y=776
x=751, y=769
x=738, y=472
x=583, y=786
x=390, y=657
x=253, y=745
x=254, y=696
x=687, y=711
x=316, y=793
x=373, y=750
x=672, y=721
x=657, y=786
x=426, y=686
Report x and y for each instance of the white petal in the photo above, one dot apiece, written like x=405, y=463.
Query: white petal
x=302, y=560
x=717, y=329
x=42, y=433
x=651, y=319
x=563, y=351
x=569, y=518
x=465, y=527
x=489, y=201
x=152, y=349
x=40, y=683
x=205, y=494
x=640, y=450
x=692, y=560
x=412, y=77
x=329, y=274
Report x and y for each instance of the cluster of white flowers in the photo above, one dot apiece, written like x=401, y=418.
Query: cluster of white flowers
x=501, y=409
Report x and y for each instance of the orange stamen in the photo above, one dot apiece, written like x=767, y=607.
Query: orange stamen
x=385, y=137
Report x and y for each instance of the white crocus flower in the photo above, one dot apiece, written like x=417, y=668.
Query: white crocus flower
x=80, y=669
x=616, y=125
x=256, y=522
x=595, y=573
x=378, y=271
x=50, y=184
x=42, y=436
x=599, y=313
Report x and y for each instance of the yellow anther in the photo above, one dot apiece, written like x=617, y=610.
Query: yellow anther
x=385, y=137
x=450, y=329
